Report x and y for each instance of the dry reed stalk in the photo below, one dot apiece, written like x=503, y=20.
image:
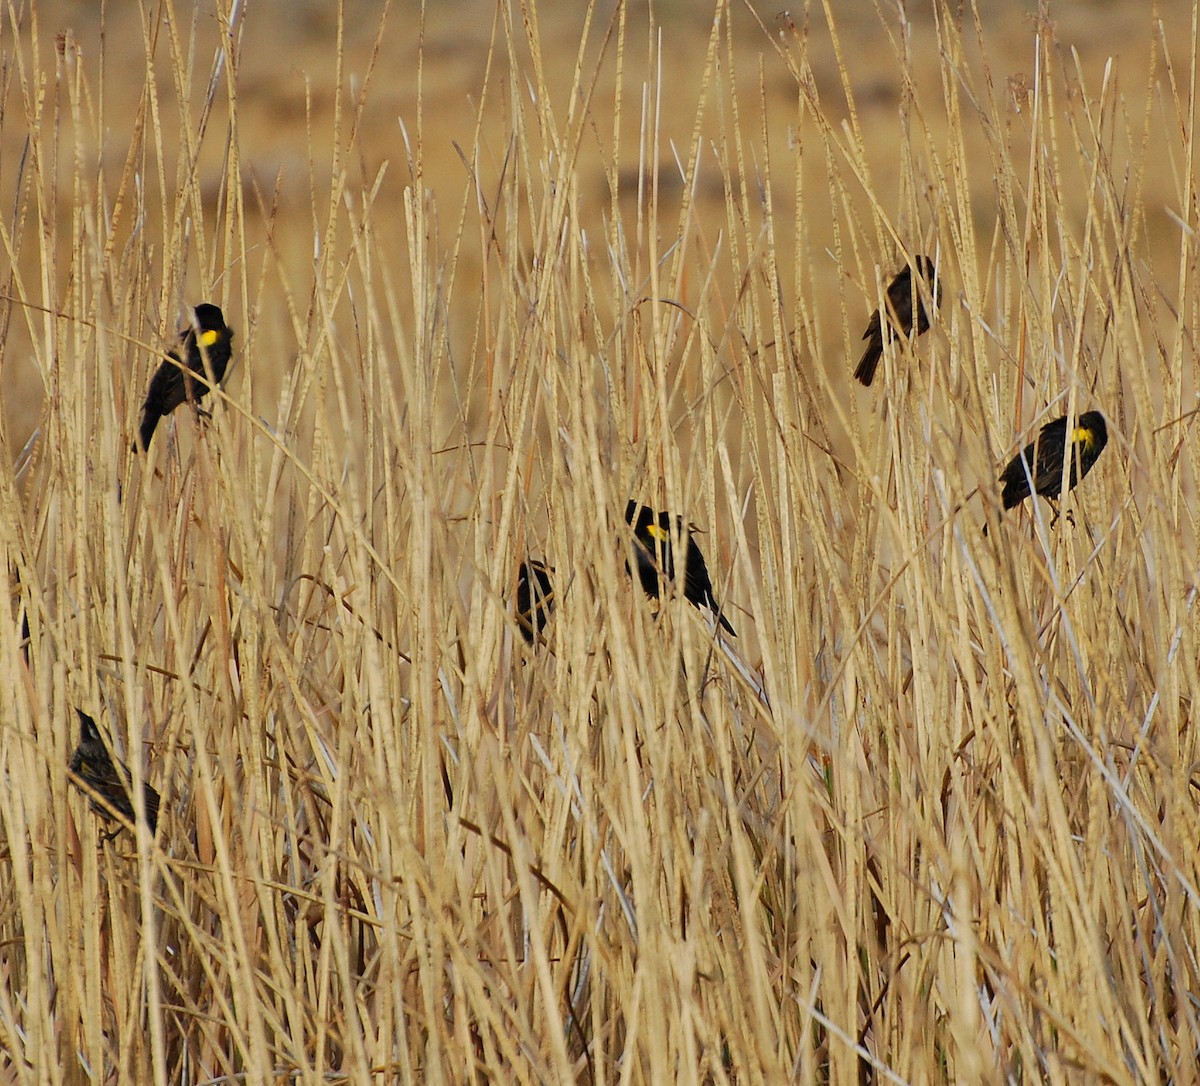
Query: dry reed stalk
x=931, y=817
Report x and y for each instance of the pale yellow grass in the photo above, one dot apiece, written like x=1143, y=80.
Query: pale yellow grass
x=929, y=818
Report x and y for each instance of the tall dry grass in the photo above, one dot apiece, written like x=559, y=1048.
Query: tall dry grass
x=930, y=818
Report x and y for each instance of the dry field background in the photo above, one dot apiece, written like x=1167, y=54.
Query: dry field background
x=931, y=817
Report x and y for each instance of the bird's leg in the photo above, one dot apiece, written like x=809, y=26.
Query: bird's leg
x=1068, y=516
x=193, y=397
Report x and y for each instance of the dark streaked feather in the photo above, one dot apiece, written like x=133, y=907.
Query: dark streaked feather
x=900, y=294
x=109, y=785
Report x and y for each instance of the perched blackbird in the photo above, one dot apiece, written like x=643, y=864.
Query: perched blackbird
x=535, y=598
x=654, y=533
x=1042, y=460
x=109, y=786
x=171, y=384
x=901, y=294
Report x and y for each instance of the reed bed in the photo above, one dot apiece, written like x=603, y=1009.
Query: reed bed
x=931, y=817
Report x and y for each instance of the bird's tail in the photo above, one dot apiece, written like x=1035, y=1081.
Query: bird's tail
x=146, y=432
x=869, y=363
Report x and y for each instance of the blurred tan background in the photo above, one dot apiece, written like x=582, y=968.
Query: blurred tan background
x=289, y=85
x=488, y=283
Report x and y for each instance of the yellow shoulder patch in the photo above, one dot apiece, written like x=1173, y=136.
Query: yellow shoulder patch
x=1081, y=435
x=657, y=531
x=209, y=338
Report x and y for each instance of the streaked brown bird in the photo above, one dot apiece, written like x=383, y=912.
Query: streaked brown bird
x=653, y=534
x=902, y=294
x=535, y=598
x=1038, y=468
x=108, y=785
x=172, y=384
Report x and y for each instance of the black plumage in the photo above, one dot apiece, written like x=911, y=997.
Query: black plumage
x=172, y=383
x=1041, y=461
x=109, y=785
x=901, y=293
x=535, y=598
x=655, y=534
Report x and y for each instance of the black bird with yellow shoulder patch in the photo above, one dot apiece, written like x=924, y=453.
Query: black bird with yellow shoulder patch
x=535, y=598
x=109, y=785
x=173, y=384
x=1038, y=468
x=902, y=295
x=654, y=535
